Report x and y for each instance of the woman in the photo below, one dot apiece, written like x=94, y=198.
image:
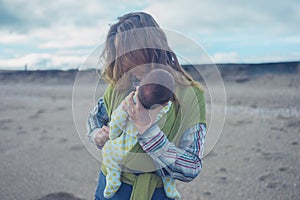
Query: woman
x=172, y=147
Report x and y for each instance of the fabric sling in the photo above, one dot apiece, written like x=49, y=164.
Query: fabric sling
x=188, y=110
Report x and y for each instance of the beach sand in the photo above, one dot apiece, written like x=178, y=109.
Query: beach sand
x=44, y=157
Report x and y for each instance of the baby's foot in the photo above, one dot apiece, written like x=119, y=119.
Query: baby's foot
x=170, y=188
x=112, y=184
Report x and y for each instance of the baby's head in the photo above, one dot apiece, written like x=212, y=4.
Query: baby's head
x=156, y=88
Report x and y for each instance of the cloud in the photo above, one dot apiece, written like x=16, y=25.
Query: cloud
x=225, y=57
x=235, y=57
x=190, y=16
x=70, y=37
x=24, y=16
x=12, y=38
x=228, y=16
x=42, y=61
x=231, y=31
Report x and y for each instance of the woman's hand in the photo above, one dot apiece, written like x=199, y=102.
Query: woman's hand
x=102, y=135
x=141, y=117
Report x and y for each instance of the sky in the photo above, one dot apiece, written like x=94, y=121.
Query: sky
x=61, y=34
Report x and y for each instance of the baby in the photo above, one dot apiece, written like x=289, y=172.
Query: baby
x=123, y=134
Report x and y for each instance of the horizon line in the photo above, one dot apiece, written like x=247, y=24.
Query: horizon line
x=227, y=63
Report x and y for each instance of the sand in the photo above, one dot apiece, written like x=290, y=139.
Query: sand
x=43, y=156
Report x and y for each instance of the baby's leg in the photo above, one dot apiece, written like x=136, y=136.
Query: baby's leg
x=113, y=182
x=170, y=188
x=113, y=171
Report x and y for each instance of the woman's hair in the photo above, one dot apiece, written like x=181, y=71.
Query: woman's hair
x=135, y=40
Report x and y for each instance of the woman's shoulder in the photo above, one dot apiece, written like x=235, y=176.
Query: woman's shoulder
x=198, y=87
x=194, y=90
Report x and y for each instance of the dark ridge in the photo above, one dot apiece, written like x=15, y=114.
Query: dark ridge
x=237, y=72
x=240, y=72
x=45, y=76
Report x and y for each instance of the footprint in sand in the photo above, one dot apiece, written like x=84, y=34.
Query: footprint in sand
x=63, y=140
x=224, y=177
x=76, y=147
x=292, y=123
x=246, y=159
x=271, y=180
x=61, y=108
x=37, y=114
x=243, y=122
x=5, y=121
x=59, y=196
x=280, y=129
x=22, y=132
x=4, y=128
x=272, y=156
x=4, y=124
x=283, y=169
x=45, y=137
x=44, y=131
x=223, y=169
x=211, y=154
x=256, y=149
x=294, y=143
x=35, y=128
x=266, y=177
x=273, y=185
x=207, y=193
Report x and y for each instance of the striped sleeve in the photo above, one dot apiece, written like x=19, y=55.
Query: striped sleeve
x=182, y=162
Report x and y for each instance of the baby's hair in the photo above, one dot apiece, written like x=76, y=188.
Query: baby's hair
x=157, y=87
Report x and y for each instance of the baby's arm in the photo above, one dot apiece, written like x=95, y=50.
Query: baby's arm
x=118, y=122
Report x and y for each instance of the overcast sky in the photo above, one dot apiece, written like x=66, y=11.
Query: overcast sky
x=61, y=34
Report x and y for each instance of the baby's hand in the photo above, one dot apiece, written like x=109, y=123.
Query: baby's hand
x=102, y=135
x=141, y=117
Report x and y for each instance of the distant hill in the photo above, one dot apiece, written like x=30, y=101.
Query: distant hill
x=241, y=72
x=236, y=72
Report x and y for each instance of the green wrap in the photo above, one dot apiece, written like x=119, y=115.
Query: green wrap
x=188, y=110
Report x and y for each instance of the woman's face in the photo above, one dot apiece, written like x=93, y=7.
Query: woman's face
x=135, y=64
x=139, y=72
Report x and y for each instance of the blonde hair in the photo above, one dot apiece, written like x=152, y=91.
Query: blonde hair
x=136, y=39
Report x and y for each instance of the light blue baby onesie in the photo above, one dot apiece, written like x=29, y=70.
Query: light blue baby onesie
x=123, y=137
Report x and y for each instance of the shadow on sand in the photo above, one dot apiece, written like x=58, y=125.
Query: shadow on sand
x=60, y=196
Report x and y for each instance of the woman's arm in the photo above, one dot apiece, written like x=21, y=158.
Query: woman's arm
x=183, y=162
x=97, y=119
